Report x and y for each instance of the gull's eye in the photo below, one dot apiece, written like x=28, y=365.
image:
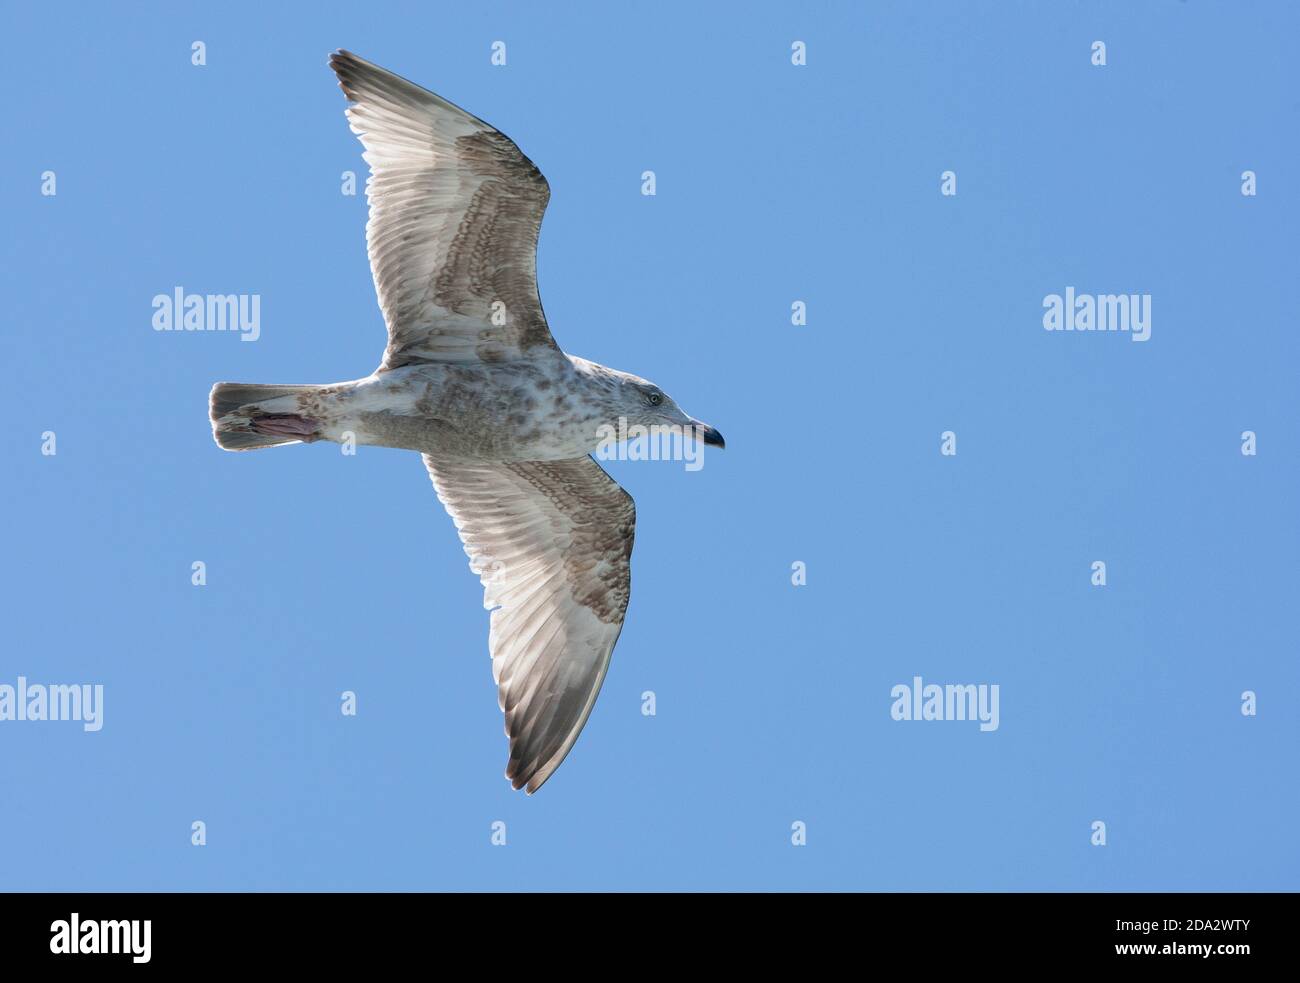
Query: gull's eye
x=654, y=399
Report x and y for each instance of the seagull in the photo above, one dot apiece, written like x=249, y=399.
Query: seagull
x=472, y=379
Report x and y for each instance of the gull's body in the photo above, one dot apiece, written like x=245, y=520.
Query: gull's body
x=479, y=410
x=473, y=380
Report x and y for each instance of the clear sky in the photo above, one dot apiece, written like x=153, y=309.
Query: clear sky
x=776, y=183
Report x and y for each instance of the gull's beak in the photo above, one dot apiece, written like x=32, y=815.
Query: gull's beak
x=708, y=434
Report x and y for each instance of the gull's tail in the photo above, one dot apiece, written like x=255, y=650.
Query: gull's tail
x=246, y=416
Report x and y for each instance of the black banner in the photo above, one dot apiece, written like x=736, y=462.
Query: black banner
x=171, y=932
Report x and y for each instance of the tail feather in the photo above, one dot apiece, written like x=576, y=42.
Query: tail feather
x=232, y=429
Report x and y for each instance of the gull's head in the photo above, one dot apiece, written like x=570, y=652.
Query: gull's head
x=633, y=401
x=644, y=403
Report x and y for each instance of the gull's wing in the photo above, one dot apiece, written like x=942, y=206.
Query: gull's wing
x=551, y=541
x=455, y=209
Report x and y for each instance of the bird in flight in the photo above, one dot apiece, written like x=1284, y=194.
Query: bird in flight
x=472, y=379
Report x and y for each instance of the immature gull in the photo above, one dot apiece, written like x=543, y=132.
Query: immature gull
x=473, y=380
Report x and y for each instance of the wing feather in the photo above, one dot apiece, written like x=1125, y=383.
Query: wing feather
x=552, y=543
x=455, y=211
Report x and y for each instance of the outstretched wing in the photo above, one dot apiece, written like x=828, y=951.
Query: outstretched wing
x=455, y=210
x=552, y=543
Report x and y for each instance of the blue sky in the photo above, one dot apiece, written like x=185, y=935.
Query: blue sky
x=775, y=183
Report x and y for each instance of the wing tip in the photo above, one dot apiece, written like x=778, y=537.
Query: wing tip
x=346, y=67
x=341, y=59
x=526, y=778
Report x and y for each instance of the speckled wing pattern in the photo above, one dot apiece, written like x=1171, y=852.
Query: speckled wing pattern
x=551, y=541
x=455, y=211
